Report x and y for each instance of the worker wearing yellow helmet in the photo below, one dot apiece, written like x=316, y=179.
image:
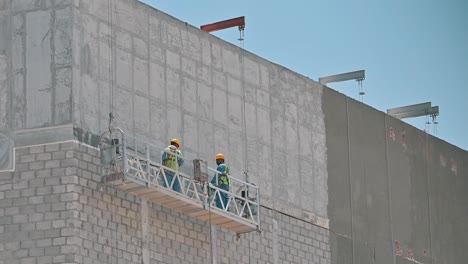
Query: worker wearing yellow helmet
x=221, y=180
x=172, y=158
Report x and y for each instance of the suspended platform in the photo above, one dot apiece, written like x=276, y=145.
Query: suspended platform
x=135, y=167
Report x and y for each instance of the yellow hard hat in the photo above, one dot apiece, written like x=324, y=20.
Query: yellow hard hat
x=219, y=156
x=175, y=140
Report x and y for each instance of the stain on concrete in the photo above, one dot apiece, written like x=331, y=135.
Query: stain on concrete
x=38, y=39
x=86, y=136
x=85, y=60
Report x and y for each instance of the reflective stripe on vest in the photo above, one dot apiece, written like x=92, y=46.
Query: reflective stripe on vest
x=224, y=180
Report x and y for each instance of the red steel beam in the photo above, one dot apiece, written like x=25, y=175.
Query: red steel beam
x=234, y=22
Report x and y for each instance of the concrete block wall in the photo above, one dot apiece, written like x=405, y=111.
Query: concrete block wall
x=53, y=211
x=38, y=220
x=121, y=228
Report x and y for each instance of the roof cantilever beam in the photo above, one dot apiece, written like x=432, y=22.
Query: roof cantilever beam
x=414, y=110
x=234, y=22
x=355, y=75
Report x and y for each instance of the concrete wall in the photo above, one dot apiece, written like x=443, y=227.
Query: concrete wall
x=35, y=69
x=394, y=191
x=174, y=80
x=52, y=211
x=170, y=80
x=312, y=151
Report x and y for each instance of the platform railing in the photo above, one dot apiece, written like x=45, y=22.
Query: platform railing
x=242, y=197
x=130, y=159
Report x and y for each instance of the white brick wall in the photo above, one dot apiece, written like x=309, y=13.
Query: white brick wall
x=57, y=215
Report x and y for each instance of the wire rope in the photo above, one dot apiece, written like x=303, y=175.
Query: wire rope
x=244, y=122
x=211, y=232
x=111, y=74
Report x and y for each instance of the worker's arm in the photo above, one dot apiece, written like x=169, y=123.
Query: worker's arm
x=213, y=180
x=180, y=160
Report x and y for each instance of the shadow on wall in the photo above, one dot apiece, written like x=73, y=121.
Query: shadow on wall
x=86, y=137
x=7, y=152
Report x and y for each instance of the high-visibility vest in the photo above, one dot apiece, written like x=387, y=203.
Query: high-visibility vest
x=171, y=159
x=223, y=178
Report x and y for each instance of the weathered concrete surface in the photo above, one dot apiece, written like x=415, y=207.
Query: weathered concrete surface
x=35, y=66
x=171, y=79
x=313, y=151
x=394, y=190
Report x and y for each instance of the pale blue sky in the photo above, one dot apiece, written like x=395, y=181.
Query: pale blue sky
x=413, y=51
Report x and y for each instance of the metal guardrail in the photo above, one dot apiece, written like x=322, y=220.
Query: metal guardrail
x=130, y=159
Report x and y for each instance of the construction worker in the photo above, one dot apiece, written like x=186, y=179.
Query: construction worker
x=172, y=158
x=222, y=181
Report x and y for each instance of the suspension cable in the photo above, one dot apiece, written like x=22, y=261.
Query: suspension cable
x=244, y=122
x=427, y=125
x=250, y=238
x=211, y=232
x=361, y=90
x=111, y=74
x=435, y=122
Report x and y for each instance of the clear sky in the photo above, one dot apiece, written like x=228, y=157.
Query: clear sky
x=413, y=51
